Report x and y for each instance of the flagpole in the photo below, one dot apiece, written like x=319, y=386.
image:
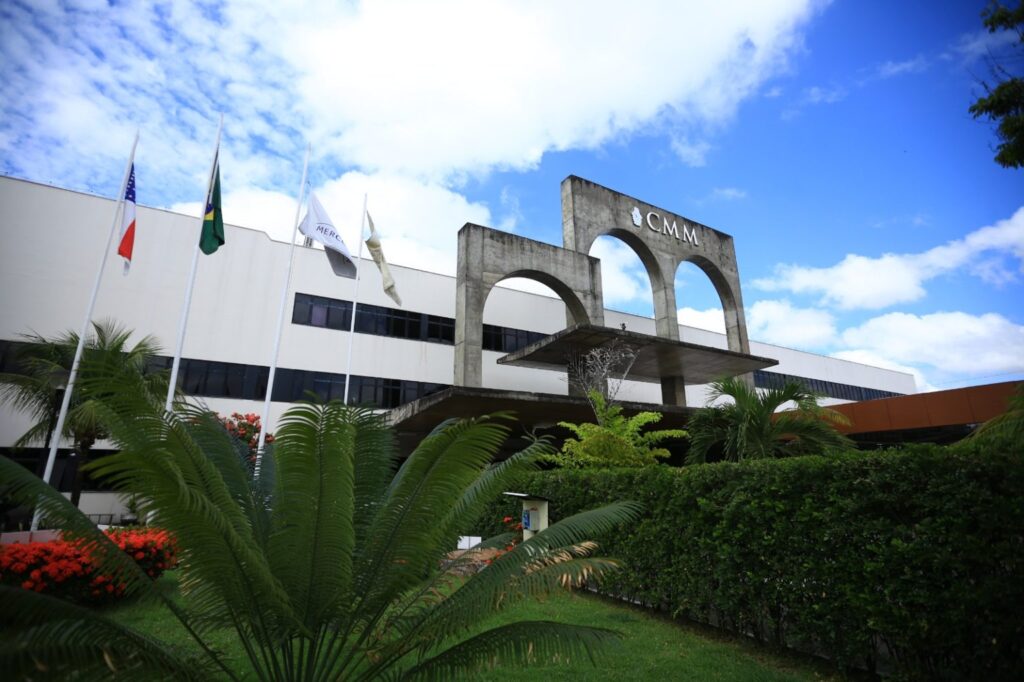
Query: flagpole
x=192, y=275
x=70, y=387
x=355, y=301
x=280, y=316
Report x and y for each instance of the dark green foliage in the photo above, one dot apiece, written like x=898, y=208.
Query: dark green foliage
x=910, y=561
x=751, y=426
x=615, y=440
x=1004, y=103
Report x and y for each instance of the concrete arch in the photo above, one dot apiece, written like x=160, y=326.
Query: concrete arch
x=488, y=256
x=728, y=289
x=664, y=296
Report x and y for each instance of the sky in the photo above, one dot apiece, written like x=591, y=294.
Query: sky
x=830, y=139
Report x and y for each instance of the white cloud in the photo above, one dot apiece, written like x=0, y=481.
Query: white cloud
x=783, y=324
x=728, y=193
x=981, y=44
x=692, y=153
x=823, y=95
x=489, y=85
x=866, y=357
x=951, y=342
x=712, y=319
x=386, y=103
x=891, y=69
x=873, y=283
x=500, y=83
x=773, y=92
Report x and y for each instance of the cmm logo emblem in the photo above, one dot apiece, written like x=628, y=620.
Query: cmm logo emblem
x=637, y=217
x=666, y=228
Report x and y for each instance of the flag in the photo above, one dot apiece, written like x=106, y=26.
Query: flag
x=373, y=243
x=212, y=236
x=317, y=225
x=124, y=249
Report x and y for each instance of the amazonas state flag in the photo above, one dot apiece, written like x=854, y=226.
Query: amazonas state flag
x=124, y=249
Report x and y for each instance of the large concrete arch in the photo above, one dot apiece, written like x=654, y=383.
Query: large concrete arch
x=663, y=240
x=486, y=257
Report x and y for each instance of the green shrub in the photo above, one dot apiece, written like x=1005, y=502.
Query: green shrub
x=907, y=561
x=615, y=440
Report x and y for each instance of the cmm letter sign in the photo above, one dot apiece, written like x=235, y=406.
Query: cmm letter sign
x=656, y=223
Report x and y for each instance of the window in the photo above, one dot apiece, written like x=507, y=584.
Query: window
x=440, y=329
x=319, y=311
x=830, y=389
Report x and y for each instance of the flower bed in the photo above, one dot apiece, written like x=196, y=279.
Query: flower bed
x=64, y=569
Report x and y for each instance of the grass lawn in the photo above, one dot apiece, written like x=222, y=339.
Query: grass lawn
x=652, y=648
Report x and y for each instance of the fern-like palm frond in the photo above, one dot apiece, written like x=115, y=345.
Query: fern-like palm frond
x=313, y=538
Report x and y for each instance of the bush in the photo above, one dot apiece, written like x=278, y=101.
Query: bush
x=65, y=569
x=907, y=561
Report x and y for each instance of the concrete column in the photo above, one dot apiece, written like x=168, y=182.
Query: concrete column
x=666, y=323
x=470, y=295
x=673, y=391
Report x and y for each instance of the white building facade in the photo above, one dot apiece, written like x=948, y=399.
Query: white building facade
x=51, y=245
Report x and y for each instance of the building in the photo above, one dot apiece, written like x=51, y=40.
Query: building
x=51, y=245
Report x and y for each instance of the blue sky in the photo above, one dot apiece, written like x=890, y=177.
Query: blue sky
x=832, y=140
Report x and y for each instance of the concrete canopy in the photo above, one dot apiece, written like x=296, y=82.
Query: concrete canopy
x=655, y=357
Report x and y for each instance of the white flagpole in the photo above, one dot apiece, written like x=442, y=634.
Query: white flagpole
x=280, y=316
x=355, y=301
x=192, y=275
x=69, y=389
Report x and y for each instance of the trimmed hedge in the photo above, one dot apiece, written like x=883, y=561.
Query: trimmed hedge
x=910, y=561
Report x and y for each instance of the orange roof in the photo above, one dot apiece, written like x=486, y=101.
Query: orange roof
x=971, y=405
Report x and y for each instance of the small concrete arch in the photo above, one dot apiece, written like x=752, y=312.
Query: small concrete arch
x=728, y=288
x=488, y=256
x=576, y=311
x=662, y=283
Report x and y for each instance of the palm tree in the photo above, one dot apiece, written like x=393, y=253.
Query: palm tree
x=334, y=574
x=751, y=428
x=45, y=365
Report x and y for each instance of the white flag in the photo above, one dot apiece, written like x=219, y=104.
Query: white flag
x=317, y=225
x=373, y=243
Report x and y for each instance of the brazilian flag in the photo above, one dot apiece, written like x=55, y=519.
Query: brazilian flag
x=212, y=237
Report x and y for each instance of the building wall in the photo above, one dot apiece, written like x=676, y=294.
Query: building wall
x=53, y=238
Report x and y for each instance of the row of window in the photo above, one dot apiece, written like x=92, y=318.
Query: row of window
x=330, y=313
x=831, y=389
x=213, y=379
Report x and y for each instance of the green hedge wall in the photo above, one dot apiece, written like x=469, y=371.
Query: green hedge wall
x=910, y=562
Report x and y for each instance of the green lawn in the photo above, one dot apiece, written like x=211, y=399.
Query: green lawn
x=652, y=647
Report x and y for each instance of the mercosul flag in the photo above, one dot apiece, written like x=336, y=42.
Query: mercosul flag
x=124, y=248
x=212, y=236
x=317, y=225
x=373, y=243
